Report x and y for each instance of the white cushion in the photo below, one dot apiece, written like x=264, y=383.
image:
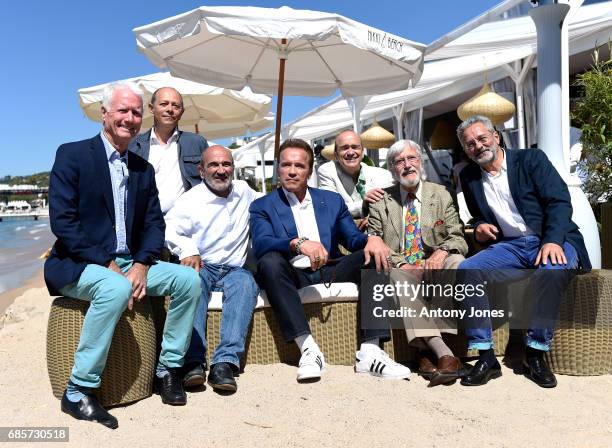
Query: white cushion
x=337, y=292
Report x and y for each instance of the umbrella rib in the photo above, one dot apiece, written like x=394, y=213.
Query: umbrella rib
x=315, y=49
x=250, y=73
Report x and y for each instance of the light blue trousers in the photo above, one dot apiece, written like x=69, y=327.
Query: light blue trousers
x=109, y=293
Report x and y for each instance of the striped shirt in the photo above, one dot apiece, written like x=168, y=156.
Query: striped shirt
x=117, y=165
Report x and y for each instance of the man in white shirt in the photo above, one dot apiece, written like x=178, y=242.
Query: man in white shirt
x=174, y=154
x=296, y=231
x=351, y=178
x=208, y=229
x=522, y=208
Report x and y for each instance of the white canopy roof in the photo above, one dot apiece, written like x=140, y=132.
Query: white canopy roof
x=486, y=49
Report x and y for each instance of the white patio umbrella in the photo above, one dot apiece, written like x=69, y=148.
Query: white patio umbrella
x=213, y=111
x=319, y=52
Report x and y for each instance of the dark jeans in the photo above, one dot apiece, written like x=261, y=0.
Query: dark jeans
x=281, y=282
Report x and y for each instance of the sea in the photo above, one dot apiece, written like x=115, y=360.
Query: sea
x=22, y=242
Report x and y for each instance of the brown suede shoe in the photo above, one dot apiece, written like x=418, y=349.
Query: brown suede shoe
x=426, y=367
x=449, y=369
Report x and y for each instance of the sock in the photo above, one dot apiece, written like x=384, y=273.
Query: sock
x=306, y=341
x=531, y=352
x=74, y=392
x=369, y=346
x=437, y=345
x=487, y=355
x=161, y=370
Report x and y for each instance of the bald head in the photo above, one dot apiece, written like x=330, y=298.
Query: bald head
x=349, y=152
x=217, y=169
x=166, y=106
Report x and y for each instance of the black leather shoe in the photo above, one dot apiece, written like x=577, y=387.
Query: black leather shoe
x=221, y=377
x=88, y=408
x=536, y=369
x=481, y=373
x=170, y=388
x=194, y=375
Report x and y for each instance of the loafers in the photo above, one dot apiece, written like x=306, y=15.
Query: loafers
x=194, y=376
x=170, y=388
x=221, y=377
x=89, y=408
x=536, y=369
x=449, y=369
x=481, y=373
x=426, y=367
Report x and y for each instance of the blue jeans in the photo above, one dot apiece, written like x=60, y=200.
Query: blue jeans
x=239, y=299
x=506, y=261
x=109, y=293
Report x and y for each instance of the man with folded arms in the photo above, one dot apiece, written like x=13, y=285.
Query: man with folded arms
x=105, y=213
x=350, y=177
x=296, y=230
x=419, y=222
x=208, y=229
x=522, y=208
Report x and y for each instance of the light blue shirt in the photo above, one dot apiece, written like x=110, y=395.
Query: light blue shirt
x=117, y=165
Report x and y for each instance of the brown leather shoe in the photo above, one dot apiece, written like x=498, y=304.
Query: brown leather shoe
x=449, y=369
x=426, y=367
x=449, y=365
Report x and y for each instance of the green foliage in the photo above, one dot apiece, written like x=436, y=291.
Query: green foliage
x=593, y=114
x=38, y=179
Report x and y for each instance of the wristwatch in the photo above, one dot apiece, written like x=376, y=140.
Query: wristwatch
x=378, y=234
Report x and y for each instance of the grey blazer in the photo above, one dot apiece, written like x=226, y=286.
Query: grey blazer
x=190, y=148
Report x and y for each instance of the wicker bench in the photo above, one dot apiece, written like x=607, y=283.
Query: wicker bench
x=130, y=366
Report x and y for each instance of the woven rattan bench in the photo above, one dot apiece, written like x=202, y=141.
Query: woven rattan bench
x=128, y=375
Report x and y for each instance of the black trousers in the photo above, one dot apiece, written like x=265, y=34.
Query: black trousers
x=281, y=281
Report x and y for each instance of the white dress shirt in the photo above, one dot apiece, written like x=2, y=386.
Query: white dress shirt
x=417, y=204
x=168, y=178
x=501, y=203
x=214, y=227
x=305, y=223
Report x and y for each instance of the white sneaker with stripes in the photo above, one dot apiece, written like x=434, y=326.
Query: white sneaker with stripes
x=312, y=364
x=378, y=363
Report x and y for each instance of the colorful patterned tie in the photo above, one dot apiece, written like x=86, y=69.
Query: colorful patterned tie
x=413, y=244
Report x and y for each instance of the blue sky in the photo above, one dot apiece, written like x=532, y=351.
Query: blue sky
x=50, y=49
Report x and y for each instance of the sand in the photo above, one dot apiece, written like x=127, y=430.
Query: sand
x=271, y=409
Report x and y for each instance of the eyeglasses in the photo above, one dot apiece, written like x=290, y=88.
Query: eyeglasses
x=404, y=161
x=347, y=147
x=483, y=139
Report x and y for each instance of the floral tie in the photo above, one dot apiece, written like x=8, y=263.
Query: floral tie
x=413, y=244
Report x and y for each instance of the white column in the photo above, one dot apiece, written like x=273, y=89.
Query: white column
x=262, y=152
x=552, y=64
x=356, y=105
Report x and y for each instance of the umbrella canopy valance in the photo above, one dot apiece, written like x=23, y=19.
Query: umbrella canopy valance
x=215, y=111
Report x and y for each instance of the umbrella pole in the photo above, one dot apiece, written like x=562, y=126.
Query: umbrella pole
x=197, y=131
x=279, y=108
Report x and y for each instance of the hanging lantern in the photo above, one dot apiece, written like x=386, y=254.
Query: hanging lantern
x=488, y=103
x=328, y=152
x=377, y=137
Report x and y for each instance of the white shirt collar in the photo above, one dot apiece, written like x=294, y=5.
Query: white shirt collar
x=404, y=193
x=154, y=140
x=293, y=199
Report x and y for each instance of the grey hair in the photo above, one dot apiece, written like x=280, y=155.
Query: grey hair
x=473, y=120
x=398, y=147
x=110, y=89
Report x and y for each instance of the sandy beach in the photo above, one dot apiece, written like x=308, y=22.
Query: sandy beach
x=271, y=409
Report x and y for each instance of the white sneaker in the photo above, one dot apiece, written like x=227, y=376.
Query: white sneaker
x=312, y=364
x=378, y=363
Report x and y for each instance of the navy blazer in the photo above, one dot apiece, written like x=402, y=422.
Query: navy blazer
x=82, y=213
x=190, y=148
x=540, y=194
x=273, y=226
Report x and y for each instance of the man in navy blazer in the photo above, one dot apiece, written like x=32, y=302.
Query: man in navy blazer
x=105, y=213
x=296, y=231
x=522, y=208
x=174, y=154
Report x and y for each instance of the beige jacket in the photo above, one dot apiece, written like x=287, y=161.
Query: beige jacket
x=440, y=224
